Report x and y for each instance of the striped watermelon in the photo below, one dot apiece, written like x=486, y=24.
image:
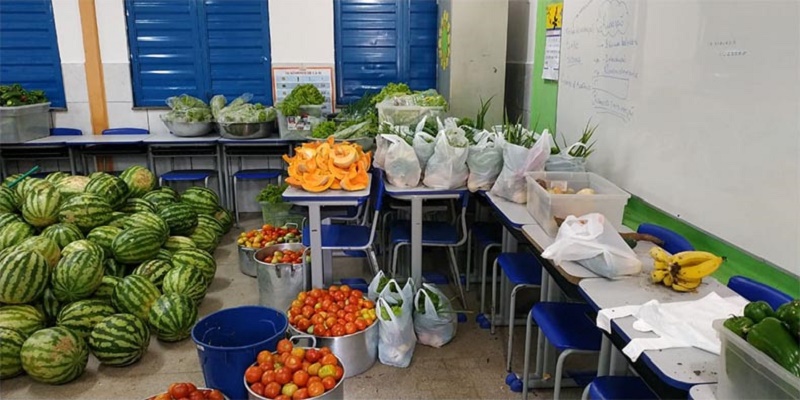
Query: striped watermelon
x=209, y=222
x=9, y=179
x=109, y=187
x=24, y=318
x=45, y=246
x=147, y=220
x=23, y=276
x=63, y=233
x=103, y=236
x=119, y=340
x=77, y=276
x=50, y=305
x=172, y=192
x=138, y=179
x=202, y=200
x=181, y=218
x=106, y=288
x=134, y=295
x=82, y=315
x=72, y=185
x=135, y=204
x=40, y=208
x=163, y=254
x=136, y=245
x=55, y=176
x=30, y=185
x=196, y=258
x=205, y=239
x=160, y=199
x=10, y=346
x=82, y=245
x=112, y=267
x=54, y=355
x=185, y=280
x=172, y=317
x=175, y=243
x=154, y=270
x=14, y=233
x=8, y=218
x=85, y=210
x=118, y=219
x=98, y=174
x=8, y=200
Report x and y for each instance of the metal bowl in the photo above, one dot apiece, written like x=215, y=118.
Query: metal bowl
x=255, y=130
x=188, y=129
x=336, y=393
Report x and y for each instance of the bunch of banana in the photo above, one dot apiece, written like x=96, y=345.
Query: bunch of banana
x=683, y=272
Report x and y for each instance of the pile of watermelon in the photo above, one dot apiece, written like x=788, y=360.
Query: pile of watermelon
x=96, y=264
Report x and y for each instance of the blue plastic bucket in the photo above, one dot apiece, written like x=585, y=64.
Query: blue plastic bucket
x=229, y=340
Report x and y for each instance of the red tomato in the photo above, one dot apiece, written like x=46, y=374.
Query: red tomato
x=340, y=314
x=315, y=388
x=350, y=317
x=339, y=373
x=317, y=319
x=263, y=357
x=282, y=358
x=162, y=396
x=300, y=394
x=329, y=382
x=267, y=377
x=369, y=304
x=329, y=359
x=331, y=321
x=251, y=375
x=313, y=369
x=171, y=389
x=312, y=355
x=257, y=388
x=333, y=288
x=303, y=324
x=283, y=376
x=293, y=363
x=315, y=293
x=350, y=327
x=272, y=390
x=285, y=346
x=197, y=395
x=313, y=379
x=300, y=378
x=356, y=293
x=344, y=289
x=302, y=296
x=337, y=330
x=299, y=352
x=361, y=324
x=310, y=301
x=325, y=350
x=308, y=311
x=326, y=304
x=283, y=397
x=215, y=395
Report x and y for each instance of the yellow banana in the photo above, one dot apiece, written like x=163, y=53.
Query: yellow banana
x=682, y=285
x=690, y=258
x=660, y=265
x=658, y=275
x=698, y=271
x=659, y=254
x=667, y=281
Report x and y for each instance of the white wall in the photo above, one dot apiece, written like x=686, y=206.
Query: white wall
x=301, y=32
x=519, y=57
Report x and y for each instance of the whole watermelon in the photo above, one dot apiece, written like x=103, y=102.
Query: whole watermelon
x=111, y=188
x=56, y=176
x=172, y=317
x=225, y=218
x=14, y=233
x=8, y=200
x=118, y=219
x=72, y=185
x=54, y=355
x=50, y=305
x=196, y=258
x=77, y=276
x=87, y=211
x=149, y=220
x=103, y=236
x=154, y=270
x=185, y=280
x=40, y=207
x=175, y=243
x=205, y=239
x=47, y=247
x=136, y=245
x=202, y=200
x=106, y=288
x=163, y=254
x=112, y=267
x=119, y=339
x=8, y=218
x=30, y=185
x=135, y=204
x=82, y=315
x=63, y=233
x=135, y=295
x=170, y=191
x=160, y=199
x=24, y=318
x=139, y=180
x=209, y=222
x=181, y=219
x=10, y=346
x=82, y=245
x=23, y=276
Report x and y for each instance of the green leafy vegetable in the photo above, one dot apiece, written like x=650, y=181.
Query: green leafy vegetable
x=272, y=194
x=390, y=90
x=15, y=95
x=323, y=130
x=240, y=111
x=437, y=303
x=302, y=95
x=397, y=310
x=186, y=108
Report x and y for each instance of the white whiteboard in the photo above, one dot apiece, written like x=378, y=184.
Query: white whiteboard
x=698, y=106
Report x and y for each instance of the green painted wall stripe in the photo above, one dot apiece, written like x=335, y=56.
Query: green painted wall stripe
x=544, y=94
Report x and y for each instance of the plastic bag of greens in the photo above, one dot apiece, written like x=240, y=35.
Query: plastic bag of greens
x=447, y=168
x=435, y=321
x=186, y=108
x=485, y=160
x=424, y=143
x=396, y=338
x=383, y=286
x=185, y=102
x=400, y=163
x=518, y=160
x=564, y=162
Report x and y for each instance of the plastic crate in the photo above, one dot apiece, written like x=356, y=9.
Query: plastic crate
x=747, y=373
x=299, y=127
x=608, y=199
x=24, y=123
x=406, y=115
x=280, y=214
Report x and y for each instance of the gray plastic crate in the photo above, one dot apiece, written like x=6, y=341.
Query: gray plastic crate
x=24, y=123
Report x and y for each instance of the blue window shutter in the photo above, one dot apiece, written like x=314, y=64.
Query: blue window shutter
x=238, y=51
x=29, y=49
x=166, y=55
x=421, y=44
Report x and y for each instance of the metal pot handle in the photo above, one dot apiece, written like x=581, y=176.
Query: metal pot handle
x=310, y=338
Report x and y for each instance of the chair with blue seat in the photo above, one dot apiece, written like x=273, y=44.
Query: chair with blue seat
x=266, y=174
x=618, y=388
x=434, y=234
x=117, y=149
x=673, y=242
x=354, y=237
x=755, y=291
x=486, y=236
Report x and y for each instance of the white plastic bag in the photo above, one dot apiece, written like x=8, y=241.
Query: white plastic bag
x=485, y=161
x=391, y=290
x=563, y=162
x=447, y=168
x=594, y=243
x=401, y=163
x=434, y=327
x=518, y=160
x=381, y=145
x=396, y=338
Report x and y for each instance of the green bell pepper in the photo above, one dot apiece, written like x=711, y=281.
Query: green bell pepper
x=789, y=314
x=739, y=325
x=772, y=338
x=758, y=310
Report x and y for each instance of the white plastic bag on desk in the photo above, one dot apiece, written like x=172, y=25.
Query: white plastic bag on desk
x=396, y=338
x=381, y=145
x=447, y=168
x=564, y=162
x=517, y=160
x=485, y=160
x=401, y=164
x=424, y=145
x=594, y=243
x=435, y=326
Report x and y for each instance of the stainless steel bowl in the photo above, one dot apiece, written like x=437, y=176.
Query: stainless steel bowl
x=188, y=129
x=336, y=393
x=255, y=130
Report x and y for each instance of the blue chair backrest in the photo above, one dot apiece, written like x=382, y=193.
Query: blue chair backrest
x=65, y=132
x=673, y=242
x=755, y=291
x=464, y=199
x=378, y=188
x=126, y=131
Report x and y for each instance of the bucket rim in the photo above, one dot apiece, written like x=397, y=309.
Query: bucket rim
x=229, y=348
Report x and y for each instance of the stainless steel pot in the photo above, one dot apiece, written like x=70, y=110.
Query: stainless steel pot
x=247, y=264
x=279, y=284
x=199, y=388
x=357, y=351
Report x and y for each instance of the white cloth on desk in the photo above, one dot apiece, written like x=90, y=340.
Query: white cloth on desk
x=680, y=324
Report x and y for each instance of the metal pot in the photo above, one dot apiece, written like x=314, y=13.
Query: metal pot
x=199, y=388
x=337, y=393
x=247, y=263
x=279, y=284
x=357, y=351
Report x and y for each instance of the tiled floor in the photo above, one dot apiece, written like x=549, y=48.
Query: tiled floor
x=472, y=366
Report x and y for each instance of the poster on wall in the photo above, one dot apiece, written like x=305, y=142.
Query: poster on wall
x=284, y=79
x=552, y=46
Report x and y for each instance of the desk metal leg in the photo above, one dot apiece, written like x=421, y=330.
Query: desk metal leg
x=73, y=168
x=416, y=240
x=226, y=176
x=327, y=267
x=222, y=177
x=605, y=356
x=315, y=228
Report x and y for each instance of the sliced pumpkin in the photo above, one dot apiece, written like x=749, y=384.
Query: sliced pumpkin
x=318, y=185
x=337, y=184
x=344, y=156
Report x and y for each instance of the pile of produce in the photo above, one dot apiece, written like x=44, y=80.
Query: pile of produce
x=269, y=235
x=357, y=120
x=240, y=110
x=15, y=95
x=294, y=372
x=774, y=332
x=185, y=108
x=187, y=390
x=98, y=264
x=319, y=166
x=337, y=311
x=683, y=272
x=302, y=95
x=284, y=257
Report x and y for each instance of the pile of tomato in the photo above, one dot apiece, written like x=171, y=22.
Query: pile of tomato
x=284, y=257
x=294, y=373
x=188, y=391
x=269, y=235
x=337, y=311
